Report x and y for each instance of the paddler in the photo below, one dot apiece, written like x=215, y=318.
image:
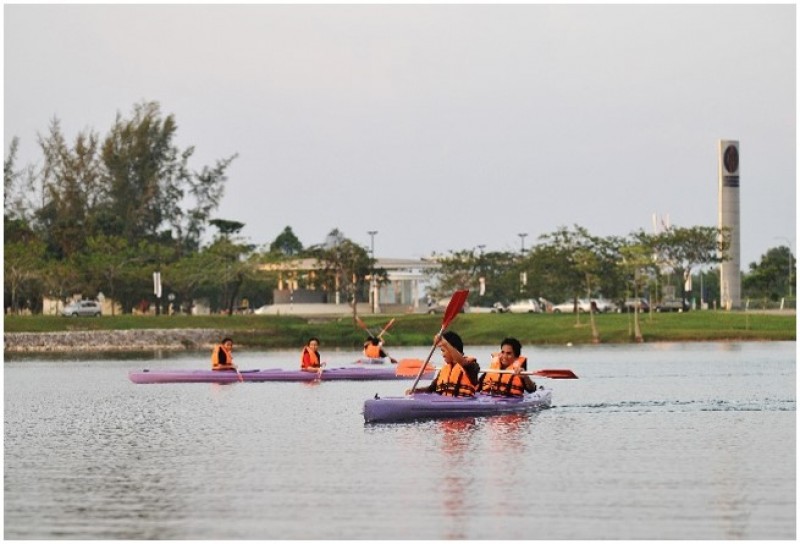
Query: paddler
x=507, y=385
x=310, y=358
x=459, y=375
x=373, y=349
x=222, y=356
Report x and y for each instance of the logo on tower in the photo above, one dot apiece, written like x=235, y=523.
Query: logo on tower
x=731, y=160
x=730, y=163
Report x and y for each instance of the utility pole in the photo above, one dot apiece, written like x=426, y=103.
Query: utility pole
x=522, y=236
x=373, y=291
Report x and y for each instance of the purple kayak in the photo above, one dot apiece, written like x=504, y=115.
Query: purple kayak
x=264, y=375
x=433, y=406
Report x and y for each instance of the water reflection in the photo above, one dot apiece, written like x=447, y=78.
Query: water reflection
x=456, y=478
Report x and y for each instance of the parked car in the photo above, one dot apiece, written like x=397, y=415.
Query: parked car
x=547, y=306
x=632, y=304
x=568, y=307
x=527, y=305
x=439, y=306
x=89, y=308
x=604, y=305
x=499, y=308
x=672, y=306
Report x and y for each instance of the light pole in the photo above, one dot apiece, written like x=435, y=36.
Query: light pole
x=373, y=291
x=522, y=236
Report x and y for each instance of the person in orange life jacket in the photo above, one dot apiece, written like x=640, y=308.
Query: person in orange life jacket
x=310, y=358
x=459, y=375
x=222, y=356
x=373, y=348
x=507, y=385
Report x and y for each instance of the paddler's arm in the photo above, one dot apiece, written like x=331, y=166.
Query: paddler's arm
x=429, y=389
x=527, y=382
x=472, y=368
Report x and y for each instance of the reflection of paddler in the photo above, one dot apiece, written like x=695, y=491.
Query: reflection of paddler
x=454, y=481
x=222, y=356
x=507, y=385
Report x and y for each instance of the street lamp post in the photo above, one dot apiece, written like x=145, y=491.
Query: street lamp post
x=522, y=236
x=373, y=291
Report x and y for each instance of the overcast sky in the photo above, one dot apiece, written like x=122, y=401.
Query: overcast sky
x=441, y=127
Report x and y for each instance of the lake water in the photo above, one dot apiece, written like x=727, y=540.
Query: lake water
x=660, y=441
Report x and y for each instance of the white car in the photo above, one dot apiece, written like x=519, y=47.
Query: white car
x=604, y=305
x=568, y=307
x=89, y=308
x=527, y=305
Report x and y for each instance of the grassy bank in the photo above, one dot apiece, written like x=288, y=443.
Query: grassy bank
x=414, y=330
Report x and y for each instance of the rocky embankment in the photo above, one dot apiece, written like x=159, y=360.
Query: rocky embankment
x=130, y=340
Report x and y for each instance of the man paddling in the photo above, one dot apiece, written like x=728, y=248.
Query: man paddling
x=459, y=375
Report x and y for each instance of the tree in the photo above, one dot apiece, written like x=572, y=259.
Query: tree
x=678, y=250
x=22, y=262
x=229, y=261
x=771, y=277
x=636, y=263
x=110, y=262
x=71, y=181
x=148, y=180
x=345, y=267
x=286, y=243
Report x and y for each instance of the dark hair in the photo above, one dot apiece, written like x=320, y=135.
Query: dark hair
x=226, y=340
x=454, y=340
x=514, y=343
x=373, y=340
x=313, y=338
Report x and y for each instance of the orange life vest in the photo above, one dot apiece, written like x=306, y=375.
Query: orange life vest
x=454, y=382
x=506, y=385
x=372, y=351
x=309, y=361
x=221, y=358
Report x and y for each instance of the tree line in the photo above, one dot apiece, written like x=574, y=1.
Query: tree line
x=100, y=214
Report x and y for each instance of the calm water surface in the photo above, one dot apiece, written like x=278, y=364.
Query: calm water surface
x=662, y=441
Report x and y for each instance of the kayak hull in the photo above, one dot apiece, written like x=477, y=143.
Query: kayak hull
x=432, y=406
x=266, y=375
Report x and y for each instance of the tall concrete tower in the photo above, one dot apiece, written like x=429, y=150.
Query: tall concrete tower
x=730, y=271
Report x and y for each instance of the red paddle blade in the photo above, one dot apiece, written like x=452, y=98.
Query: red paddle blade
x=456, y=303
x=557, y=374
x=361, y=324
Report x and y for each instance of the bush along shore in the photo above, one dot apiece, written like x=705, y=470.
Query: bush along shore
x=145, y=333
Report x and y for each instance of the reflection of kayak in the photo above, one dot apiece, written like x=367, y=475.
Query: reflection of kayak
x=432, y=406
x=266, y=375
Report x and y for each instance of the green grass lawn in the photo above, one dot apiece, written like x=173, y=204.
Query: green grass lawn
x=418, y=329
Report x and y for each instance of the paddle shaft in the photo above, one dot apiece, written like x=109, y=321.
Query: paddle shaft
x=554, y=374
x=456, y=303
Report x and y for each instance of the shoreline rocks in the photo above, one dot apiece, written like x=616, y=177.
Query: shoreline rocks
x=127, y=340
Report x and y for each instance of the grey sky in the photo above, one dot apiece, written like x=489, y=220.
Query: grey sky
x=442, y=127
